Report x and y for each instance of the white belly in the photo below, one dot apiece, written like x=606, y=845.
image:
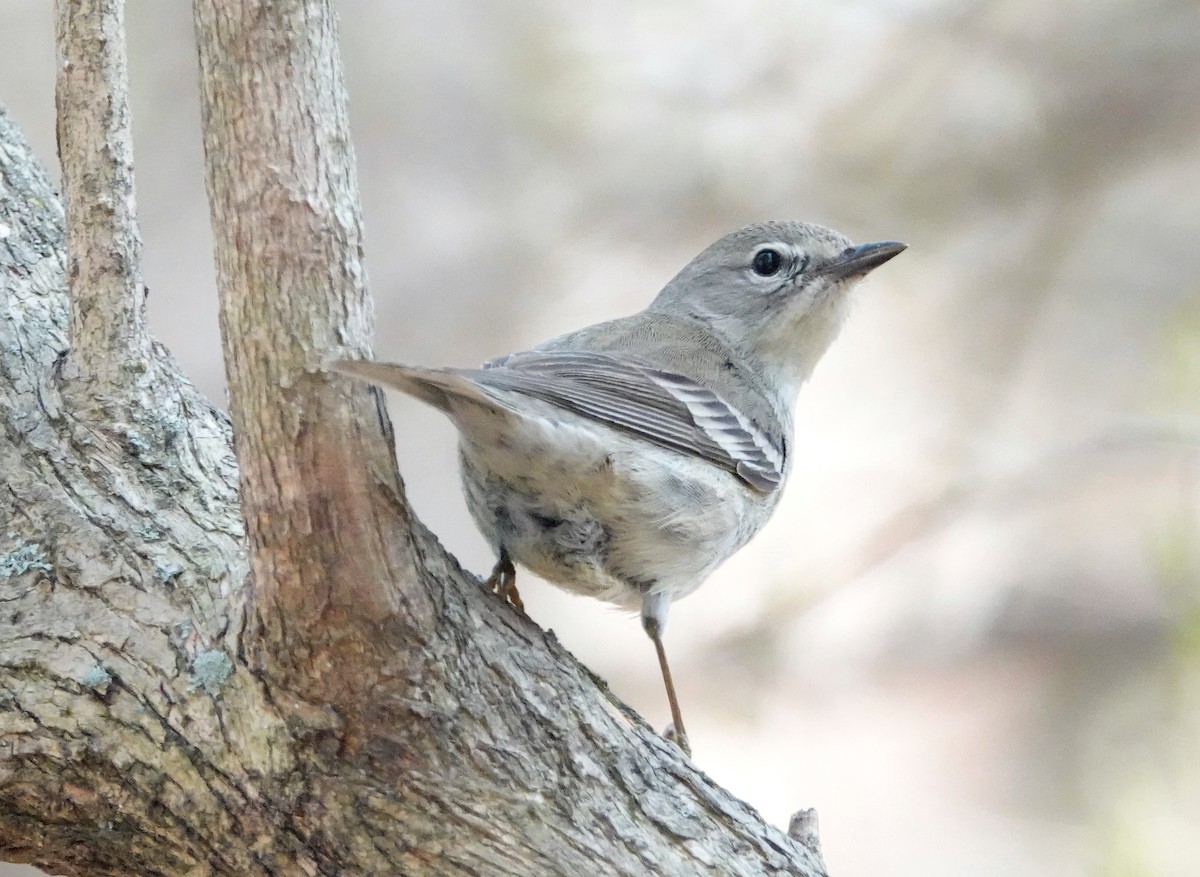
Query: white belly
x=598, y=512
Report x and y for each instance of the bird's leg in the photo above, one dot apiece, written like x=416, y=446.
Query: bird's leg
x=679, y=734
x=654, y=619
x=503, y=580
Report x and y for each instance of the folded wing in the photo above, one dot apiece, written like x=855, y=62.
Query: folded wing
x=642, y=400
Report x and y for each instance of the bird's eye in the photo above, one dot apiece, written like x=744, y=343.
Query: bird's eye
x=767, y=263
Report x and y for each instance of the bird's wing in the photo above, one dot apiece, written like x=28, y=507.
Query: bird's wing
x=643, y=400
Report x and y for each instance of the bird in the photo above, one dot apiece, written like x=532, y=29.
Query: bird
x=628, y=459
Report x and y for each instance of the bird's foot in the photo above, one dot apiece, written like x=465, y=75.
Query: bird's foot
x=680, y=740
x=503, y=581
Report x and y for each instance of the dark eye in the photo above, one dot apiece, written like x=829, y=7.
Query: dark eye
x=767, y=263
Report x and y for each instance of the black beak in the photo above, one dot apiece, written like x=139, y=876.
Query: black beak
x=857, y=261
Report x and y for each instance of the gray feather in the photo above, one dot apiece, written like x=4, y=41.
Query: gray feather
x=659, y=406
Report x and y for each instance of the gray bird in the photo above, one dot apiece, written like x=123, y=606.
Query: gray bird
x=628, y=459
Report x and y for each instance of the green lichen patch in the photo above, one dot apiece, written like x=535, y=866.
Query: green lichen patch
x=22, y=559
x=209, y=671
x=97, y=679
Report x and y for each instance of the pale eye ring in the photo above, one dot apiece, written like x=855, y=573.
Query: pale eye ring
x=767, y=262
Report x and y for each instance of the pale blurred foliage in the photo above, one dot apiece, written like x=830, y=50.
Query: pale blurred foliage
x=971, y=635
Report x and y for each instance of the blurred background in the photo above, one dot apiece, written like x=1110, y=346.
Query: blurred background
x=970, y=637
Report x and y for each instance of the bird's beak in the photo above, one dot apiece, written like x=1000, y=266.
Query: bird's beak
x=857, y=261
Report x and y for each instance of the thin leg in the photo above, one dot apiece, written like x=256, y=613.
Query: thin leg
x=654, y=619
x=676, y=715
x=503, y=580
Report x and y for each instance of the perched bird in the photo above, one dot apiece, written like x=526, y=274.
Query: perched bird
x=628, y=459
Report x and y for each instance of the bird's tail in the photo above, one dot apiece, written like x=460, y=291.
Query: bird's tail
x=441, y=388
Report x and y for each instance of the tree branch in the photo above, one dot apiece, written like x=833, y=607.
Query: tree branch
x=124, y=742
x=109, y=340
x=315, y=459
x=374, y=710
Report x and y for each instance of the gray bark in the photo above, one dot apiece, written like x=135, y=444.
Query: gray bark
x=324, y=691
x=109, y=341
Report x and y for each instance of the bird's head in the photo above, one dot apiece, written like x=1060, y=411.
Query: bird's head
x=776, y=290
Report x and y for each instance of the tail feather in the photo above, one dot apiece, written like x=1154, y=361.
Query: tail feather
x=440, y=388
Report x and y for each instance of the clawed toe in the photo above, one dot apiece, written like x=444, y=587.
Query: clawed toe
x=679, y=739
x=503, y=581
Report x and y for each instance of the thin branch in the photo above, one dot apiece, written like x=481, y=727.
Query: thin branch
x=104, y=274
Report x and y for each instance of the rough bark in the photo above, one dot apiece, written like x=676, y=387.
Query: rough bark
x=109, y=341
x=328, y=693
x=287, y=225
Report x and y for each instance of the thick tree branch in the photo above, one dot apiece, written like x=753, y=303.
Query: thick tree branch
x=318, y=478
x=375, y=711
x=483, y=736
x=109, y=340
x=131, y=738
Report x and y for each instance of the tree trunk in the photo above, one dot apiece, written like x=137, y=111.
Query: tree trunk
x=323, y=691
